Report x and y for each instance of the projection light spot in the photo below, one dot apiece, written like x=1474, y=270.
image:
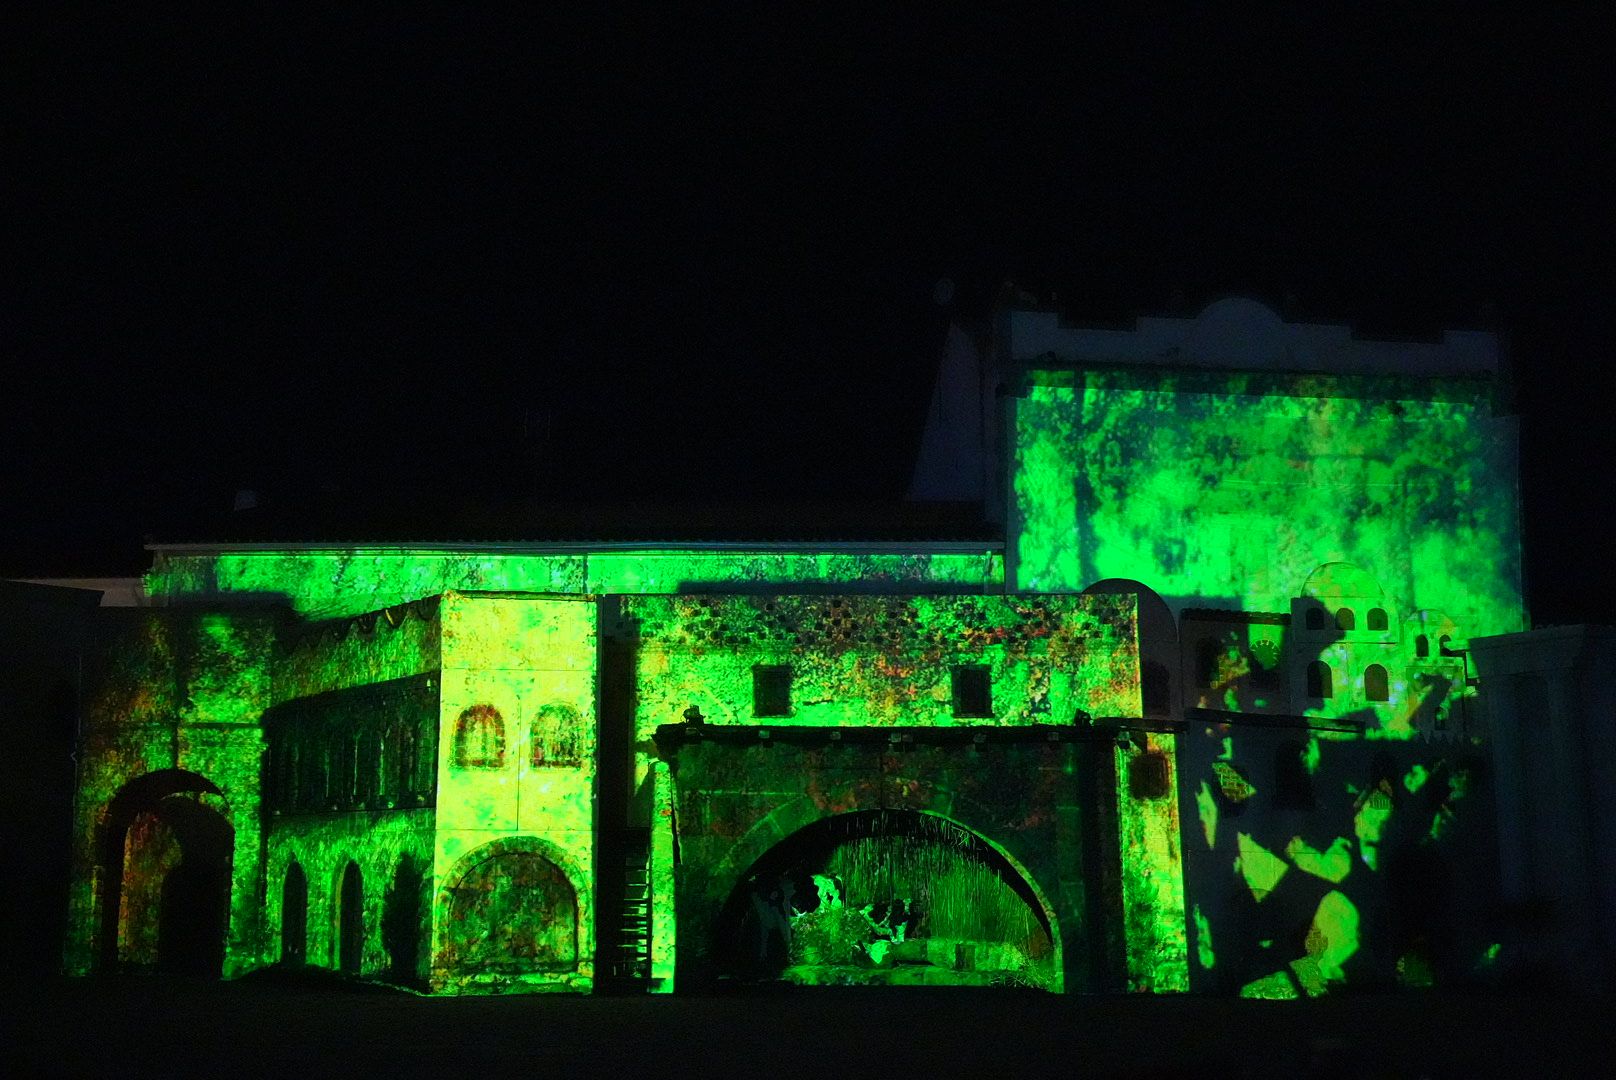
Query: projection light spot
x=1207, y=809
x=1332, y=864
x=1333, y=937
x=1261, y=868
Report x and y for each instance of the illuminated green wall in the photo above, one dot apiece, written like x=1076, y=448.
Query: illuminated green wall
x=1279, y=498
x=175, y=695
x=1152, y=869
x=884, y=660
x=862, y=661
x=1228, y=490
x=1253, y=662
x=325, y=584
x=878, y=660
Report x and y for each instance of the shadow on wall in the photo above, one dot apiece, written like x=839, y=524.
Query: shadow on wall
x=404, y=923
x=1319, y=855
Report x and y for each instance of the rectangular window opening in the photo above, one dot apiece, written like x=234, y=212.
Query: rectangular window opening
x=771, y=690
x=973, y=691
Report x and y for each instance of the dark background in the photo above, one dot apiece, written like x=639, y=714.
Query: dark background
x=372, y=254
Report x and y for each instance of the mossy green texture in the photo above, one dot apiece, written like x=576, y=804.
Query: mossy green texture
x=391, y=849
x=334, y=583
x=884, y=660
x=1229, y=489
x=1152, y=872
x=178, y=695
x=338, y=582
x=359, y=650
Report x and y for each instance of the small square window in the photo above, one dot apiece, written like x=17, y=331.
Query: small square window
x=973, y=691
x=771, y=690
x=1148, y=776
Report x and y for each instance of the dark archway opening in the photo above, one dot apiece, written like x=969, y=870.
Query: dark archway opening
x=403, y=927
x=351, y=922
x=166, y=862
x=886, y=897
x=294, y=917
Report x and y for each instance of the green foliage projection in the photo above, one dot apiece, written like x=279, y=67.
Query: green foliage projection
x=880, y=660
x=1229, y=489
x=336, y=583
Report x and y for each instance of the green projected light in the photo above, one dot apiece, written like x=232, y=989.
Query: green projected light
x=325, y=584
x=1206, y=720
x=1228, y=489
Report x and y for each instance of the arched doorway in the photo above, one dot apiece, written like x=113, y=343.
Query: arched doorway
x=512, y=912
x=887, y=897
x=403, y=923
x=294, y=916
x=351, y=921
x=165, y=857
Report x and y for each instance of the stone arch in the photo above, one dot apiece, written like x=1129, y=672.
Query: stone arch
x=294, y=915
x=165, y=851
x=512, y=907
x=1320, y=681
x=792, y=821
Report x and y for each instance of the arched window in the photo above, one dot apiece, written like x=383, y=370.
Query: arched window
x=1315, y=618
x=1344, y=619
x=1156, y=687
x=1378, y=619
x=555, y=733
x=1374, y=683
x=1422, y=646
x=1319, y=681
x=480, y=738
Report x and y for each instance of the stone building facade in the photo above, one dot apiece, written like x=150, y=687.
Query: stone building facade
x=1203, y=715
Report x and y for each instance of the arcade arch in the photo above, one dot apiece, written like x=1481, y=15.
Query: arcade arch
x=165, y=855
x=889, y=896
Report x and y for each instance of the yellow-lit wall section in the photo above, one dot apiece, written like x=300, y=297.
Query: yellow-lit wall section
x=516, y=772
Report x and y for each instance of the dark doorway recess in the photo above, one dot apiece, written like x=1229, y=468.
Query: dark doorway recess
x=165, y=856
x=351, y=922
x=403, y=928
x=294, y=917
x=886, y=897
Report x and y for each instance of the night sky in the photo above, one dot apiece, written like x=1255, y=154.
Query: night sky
x=375, y=255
